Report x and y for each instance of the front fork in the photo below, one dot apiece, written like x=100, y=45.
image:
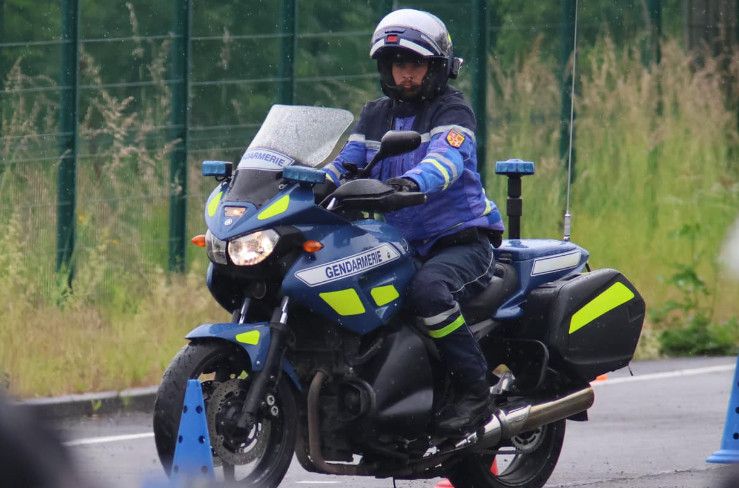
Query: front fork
x=271, y=370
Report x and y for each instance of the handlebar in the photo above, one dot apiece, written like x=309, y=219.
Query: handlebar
x=371, y=195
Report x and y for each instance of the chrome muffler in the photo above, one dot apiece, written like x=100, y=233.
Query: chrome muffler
x=507, y=423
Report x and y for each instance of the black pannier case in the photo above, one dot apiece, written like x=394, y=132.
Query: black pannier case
x=590, y=322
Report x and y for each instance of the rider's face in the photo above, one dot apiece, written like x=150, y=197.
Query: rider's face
x=408, y=73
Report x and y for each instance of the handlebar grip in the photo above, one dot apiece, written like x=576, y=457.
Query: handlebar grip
x=412, y=198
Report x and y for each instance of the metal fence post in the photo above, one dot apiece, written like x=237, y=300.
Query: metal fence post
x=179, y=68
x=567, y=40
x=653, y=56
x=655, y=31
x=386, y=6
x=68, y=105
x=479, y=48
x=288, y=18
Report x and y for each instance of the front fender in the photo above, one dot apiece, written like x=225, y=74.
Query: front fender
x=252, y=338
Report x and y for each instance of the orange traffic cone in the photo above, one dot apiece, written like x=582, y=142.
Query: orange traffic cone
x=447, y=484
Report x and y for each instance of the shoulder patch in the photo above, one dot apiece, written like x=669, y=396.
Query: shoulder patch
x=455, y=138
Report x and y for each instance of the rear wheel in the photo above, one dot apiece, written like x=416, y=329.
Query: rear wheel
x=527, y=462
x=257, y=456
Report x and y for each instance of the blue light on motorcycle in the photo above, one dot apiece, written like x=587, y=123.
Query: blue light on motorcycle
x=217, y=168
x=515, y=167
x=300, y=174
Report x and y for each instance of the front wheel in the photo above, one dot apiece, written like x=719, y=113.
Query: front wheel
x=527, y=462
x=257, y=456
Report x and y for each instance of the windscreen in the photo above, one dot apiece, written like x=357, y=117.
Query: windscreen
x=289, y=134
x=295, y=134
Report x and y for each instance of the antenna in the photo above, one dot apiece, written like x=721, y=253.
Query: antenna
x=568, y=216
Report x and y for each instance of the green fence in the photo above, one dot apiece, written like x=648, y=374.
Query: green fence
x=107, y=110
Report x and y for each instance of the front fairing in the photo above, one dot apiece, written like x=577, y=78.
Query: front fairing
x=257, y=197
x=291, y=206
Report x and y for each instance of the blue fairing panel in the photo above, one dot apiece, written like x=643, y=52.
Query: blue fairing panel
x=537, y=261
x=252, y=338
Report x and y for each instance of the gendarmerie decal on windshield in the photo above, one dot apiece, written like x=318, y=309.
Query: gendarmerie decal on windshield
x=349, y=266
x=258, y=158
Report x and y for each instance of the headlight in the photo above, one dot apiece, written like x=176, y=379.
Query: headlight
x=215, y=248
x=253, y=248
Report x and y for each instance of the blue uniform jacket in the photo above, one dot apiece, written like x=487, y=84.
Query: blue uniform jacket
x=444, y=166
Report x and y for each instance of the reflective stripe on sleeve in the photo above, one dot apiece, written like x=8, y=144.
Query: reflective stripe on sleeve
x=447, y=163
x=332, y=169
x=441, y=169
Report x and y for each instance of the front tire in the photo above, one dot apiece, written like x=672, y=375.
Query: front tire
x=527, y=463
x=221, y=366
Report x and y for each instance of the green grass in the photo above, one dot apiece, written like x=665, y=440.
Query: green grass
x=656, y=151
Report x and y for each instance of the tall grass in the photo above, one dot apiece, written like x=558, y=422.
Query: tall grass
x=654, y=153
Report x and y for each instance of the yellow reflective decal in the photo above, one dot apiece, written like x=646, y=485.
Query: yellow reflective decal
x=382, y=295
x=249, y=337
x=616, y=294
x=213, y=204
x=276, y=208
x=344, y=302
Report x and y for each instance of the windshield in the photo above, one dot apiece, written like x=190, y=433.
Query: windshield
x=290, y=134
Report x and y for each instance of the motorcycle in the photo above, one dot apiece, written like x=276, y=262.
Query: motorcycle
x=320, y=358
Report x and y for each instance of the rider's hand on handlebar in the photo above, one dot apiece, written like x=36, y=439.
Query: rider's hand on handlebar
x=402, y=184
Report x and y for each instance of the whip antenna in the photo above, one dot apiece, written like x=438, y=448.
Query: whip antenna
x=568, y=216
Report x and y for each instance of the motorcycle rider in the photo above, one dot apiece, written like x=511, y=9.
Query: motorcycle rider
x=452, y=232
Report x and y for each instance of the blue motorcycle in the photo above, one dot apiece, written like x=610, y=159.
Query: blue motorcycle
x=320, y=358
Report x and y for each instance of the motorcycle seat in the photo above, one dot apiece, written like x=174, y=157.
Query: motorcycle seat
x=482, y=306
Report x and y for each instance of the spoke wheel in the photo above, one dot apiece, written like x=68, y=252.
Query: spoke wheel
x=527, y=462
x=256, y=456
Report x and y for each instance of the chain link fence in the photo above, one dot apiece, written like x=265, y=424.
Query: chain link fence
x=97, y=101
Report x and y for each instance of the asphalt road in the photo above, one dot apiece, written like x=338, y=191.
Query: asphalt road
x=651, y=430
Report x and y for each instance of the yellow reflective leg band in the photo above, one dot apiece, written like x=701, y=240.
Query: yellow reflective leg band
x=616, y=294
x=445, y=331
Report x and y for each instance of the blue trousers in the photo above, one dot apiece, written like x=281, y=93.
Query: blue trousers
x=448, y=276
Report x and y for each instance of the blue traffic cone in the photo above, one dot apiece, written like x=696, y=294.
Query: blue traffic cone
x=192, y=455
x=729, y=452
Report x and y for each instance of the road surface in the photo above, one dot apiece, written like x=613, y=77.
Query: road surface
x=651, y=430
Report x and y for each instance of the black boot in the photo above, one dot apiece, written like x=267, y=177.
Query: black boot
x=468, y=412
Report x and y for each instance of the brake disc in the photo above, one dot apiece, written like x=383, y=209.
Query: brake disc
x=528, y=441
x=224, y=407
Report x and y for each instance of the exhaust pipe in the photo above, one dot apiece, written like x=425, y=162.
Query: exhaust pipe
x=509, y=423
x=504, y=425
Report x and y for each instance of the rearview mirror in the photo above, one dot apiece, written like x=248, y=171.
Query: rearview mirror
x=394, y=142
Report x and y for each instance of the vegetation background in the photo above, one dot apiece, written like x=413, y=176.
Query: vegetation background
x=655, y=192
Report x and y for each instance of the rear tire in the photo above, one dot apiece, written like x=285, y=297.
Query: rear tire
x=530, y=467
x=218, y=361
